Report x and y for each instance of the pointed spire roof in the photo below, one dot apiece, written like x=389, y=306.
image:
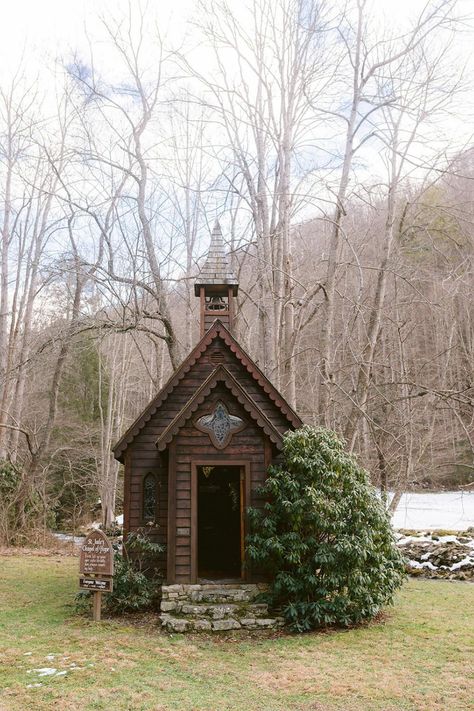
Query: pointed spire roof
x=216, y=270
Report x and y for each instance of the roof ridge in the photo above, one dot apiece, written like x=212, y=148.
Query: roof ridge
x=261, y=378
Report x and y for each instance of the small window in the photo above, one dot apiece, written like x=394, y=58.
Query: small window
x=149, y=498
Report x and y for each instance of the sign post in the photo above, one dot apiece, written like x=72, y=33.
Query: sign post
x=97, y=606
x=96, y=567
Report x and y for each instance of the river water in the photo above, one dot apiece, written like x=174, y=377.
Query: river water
x=453, y=510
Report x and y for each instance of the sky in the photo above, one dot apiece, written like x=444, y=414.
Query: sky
x=37, y=32
x=31, y=28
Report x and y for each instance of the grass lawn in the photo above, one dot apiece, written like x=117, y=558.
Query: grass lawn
x=421, y=657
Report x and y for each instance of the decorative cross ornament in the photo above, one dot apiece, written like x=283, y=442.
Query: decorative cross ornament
x=220, y=425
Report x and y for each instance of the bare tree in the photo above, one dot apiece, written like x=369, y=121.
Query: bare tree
x=372, y=61
x=269, y=65
x=129, y=114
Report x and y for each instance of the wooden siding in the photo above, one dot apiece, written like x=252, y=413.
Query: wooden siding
x=142, y=456
x=208, y=318
x=139, y=462
x=195, y=446
x=217, y=352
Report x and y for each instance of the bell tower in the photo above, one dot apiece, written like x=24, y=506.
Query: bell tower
x=216, y=285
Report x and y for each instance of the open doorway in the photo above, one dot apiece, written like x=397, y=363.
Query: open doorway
x=219, y=544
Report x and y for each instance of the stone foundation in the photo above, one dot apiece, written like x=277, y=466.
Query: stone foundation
x=215, y=607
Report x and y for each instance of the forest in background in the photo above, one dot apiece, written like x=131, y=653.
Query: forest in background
x=321, y=139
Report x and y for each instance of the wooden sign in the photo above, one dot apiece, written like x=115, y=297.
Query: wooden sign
x=97, y=555
x=96, y=567
x=101, y=584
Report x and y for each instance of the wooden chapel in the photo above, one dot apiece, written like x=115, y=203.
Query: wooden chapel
x=197, y=454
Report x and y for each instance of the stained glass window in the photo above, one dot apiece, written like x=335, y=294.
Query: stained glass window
x=220, y=425
x=149, y=498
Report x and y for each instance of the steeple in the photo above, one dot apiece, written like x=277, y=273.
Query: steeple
x=216, y=285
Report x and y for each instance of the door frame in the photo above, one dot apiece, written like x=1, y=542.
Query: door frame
x=245, y=467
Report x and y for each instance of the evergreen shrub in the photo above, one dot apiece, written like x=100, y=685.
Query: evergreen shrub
x=324, y=536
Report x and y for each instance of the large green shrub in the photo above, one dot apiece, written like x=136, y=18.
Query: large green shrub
x=324, y=536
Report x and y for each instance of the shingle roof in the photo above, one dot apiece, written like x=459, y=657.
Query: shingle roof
x=216, y=269
x=217, y=330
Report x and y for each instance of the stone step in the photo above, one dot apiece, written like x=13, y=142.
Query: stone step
x=215, y=607
x=182, y=624
x=215, y=611
x=223, y=595
x=212, y=592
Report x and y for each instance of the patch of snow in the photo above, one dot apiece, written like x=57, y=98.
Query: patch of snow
x=33, y=686
x=447, y=539
x=69, y=538
x=27, y=654
x=425, y=556
x=44, y=671
x=50, y=657
x=447, y=509
x=462, y=564
x=119, y=520
x=414, y=539
x=428, y=539
x=48, y=671
x=417, y=565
